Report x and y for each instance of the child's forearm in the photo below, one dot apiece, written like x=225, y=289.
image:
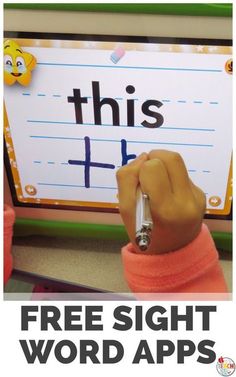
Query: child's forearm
x=192, y=269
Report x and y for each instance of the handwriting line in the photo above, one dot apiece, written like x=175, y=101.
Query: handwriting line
x=111, y=125
x=130, y=67
x=118, y=141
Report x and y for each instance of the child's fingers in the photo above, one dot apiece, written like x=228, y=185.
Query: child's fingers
x=199, y=196
x=128, y=180
x=154, y=181
x=176, y=169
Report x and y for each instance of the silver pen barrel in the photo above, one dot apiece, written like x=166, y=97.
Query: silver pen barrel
x=143, y=221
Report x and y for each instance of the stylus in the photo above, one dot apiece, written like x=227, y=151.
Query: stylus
x=144, y=222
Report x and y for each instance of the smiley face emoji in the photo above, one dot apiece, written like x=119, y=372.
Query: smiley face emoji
x=17, y=64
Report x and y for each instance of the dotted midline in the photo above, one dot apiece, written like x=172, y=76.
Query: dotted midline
x=66, y=163
x=180, y=101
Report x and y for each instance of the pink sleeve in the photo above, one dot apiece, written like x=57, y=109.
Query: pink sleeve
x=192, y=269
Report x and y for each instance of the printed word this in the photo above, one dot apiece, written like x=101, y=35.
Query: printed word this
x=98, y=103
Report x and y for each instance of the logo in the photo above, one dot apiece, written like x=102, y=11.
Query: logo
x=225, y=366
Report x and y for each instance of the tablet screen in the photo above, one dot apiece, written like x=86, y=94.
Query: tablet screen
x=92, y=103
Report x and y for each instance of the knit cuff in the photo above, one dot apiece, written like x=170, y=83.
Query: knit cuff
x=166, y=272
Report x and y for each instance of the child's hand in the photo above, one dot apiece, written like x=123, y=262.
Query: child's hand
x=177, y=205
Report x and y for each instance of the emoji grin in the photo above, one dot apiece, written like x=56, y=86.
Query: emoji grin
x=18, y=64
x=16, y=74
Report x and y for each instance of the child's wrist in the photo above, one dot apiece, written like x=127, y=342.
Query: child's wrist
x=170, y=242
